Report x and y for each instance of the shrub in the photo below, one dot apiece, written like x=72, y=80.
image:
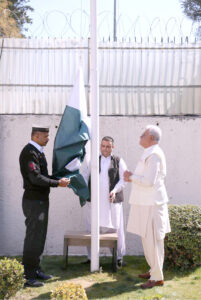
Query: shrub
x=69, y=291
x=182, y=245
x=11, y=277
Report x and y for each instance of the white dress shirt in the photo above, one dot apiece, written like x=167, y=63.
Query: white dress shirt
x=37, y=146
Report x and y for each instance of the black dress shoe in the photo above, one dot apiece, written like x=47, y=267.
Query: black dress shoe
x=86, y=262
x=42, y=276
x=33, y=283
x=121, y=263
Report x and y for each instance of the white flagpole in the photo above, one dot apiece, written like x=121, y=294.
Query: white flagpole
x=94, y=100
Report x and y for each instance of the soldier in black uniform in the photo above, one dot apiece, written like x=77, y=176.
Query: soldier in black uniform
x=35, y=203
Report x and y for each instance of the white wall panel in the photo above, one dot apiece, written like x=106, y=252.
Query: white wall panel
x=36, y=76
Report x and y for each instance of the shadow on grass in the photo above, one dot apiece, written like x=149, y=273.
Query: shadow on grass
x=124, y=280
x=111, y=289
x=171, y=273
x=104, y=283
x=42, y=296
x=135, y=265
x=53, y=265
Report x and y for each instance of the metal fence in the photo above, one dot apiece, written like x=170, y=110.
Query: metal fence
x=136, y=77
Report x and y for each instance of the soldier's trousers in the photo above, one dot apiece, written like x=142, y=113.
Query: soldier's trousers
x=36, y=213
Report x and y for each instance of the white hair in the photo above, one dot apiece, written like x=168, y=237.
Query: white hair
x=155, y=131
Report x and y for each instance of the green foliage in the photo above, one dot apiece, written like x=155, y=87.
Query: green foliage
x=69, y=291
x=192, y=9
x=182, y=245
x=11, y=277
x=20, y=9
x=13, y=17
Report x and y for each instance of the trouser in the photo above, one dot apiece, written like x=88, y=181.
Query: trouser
x=153, y=249
x=121, y=247
x=36, y=213
x=120, y=241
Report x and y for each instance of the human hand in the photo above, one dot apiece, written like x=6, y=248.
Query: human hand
x=64, y=182
x=127, y=175
x=112, y=197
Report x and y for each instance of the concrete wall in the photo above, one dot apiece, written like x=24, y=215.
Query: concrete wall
x=181, y=143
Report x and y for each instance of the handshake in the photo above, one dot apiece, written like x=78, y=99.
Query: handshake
x=64, y=182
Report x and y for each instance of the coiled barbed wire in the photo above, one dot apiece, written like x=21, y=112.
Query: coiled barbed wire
x=56, y=23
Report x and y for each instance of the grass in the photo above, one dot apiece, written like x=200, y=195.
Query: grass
x=124, y=284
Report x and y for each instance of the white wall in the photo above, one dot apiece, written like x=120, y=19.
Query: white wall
x=181, y=143
x=136, y=78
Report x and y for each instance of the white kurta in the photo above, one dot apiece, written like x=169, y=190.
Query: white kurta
x=139, y=216
x=148, y=215
x=149, y=190
x=111, y=214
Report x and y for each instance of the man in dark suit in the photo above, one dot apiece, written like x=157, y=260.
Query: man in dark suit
x=35, y=203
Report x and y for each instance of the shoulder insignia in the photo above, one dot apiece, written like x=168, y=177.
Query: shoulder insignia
x=32, y=166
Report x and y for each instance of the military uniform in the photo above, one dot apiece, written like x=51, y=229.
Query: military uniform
x=35, y=204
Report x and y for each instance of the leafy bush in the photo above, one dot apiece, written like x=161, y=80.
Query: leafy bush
x=69, y=291
x=182, y=245
x=11, y=277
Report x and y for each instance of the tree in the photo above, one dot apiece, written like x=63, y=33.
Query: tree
x=192, y=9
x=13, y=17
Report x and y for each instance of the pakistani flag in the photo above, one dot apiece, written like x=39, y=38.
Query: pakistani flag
x=70, y=140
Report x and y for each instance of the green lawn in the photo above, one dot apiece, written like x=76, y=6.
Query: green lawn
x=124, y=284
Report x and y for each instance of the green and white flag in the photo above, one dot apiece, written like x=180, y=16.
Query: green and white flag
x=71, y=138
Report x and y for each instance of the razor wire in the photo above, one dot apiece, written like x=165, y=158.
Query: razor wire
x=76, y=24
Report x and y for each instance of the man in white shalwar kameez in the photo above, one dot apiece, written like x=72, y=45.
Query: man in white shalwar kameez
x=111, y=182
x=148, y=216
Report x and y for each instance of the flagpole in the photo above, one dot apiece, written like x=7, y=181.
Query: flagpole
x=94, y=100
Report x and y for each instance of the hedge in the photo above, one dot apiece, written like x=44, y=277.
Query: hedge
x=183, y=244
